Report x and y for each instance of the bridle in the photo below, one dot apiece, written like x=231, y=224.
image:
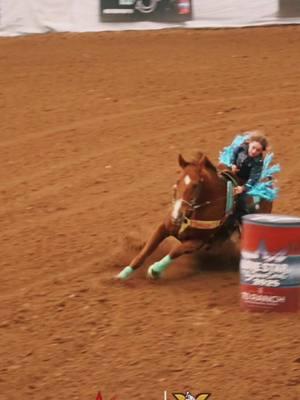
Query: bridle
x=184, y=222
x=193, y=205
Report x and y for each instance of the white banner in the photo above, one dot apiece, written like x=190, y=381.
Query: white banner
x=19, y=17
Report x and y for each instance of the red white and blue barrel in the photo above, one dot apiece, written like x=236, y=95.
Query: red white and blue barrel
x=270, y=263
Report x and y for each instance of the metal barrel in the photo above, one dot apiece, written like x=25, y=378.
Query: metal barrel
x=270, y=263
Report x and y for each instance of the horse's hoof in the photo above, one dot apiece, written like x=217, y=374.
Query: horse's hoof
x=153, y=274
x=125, y=273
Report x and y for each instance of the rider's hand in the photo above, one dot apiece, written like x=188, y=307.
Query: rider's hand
x=234, y=169
x=239, y=189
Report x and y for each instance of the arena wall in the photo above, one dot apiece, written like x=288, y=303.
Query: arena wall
x=19, y=17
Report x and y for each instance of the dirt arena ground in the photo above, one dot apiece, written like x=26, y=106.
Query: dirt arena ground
x=91, y=126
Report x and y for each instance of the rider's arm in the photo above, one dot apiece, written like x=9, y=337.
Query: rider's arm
x=236, y=154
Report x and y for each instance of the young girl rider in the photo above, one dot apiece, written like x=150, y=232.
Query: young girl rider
x=247, y=167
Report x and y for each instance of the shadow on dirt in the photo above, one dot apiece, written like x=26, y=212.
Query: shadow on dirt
x=221, y=259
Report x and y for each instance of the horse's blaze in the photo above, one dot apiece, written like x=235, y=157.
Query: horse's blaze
x=187, y=180
x=176, y=209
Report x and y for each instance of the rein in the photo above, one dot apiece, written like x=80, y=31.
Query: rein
x=206, y=203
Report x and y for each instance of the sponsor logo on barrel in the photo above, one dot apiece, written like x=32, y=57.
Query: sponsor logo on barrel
x=270, y=265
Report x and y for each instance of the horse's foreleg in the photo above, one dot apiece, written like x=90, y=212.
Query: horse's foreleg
x=189, y=246
x=157, y=237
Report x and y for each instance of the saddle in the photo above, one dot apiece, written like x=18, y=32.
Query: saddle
x=232, y=182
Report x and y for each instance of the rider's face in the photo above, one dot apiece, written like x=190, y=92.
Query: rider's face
x=255, y=149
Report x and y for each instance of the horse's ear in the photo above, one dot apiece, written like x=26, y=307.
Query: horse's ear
x=202, y=160
x=182, y=162
x=205, y=162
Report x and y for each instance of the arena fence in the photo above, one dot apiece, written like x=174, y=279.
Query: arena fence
x=19, y=17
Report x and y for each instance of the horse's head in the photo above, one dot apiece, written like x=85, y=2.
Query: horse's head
x=189, y=188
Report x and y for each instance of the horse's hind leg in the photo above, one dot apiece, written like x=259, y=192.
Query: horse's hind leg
x=157, y=237
x=189, y=246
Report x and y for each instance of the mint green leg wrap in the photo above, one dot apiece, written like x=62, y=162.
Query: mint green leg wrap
x=125, y=273
x=157, y=268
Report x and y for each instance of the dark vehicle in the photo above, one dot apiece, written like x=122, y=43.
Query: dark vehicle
x=149, y=10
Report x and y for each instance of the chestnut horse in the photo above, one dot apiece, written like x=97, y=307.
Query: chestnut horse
x=198, y=217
